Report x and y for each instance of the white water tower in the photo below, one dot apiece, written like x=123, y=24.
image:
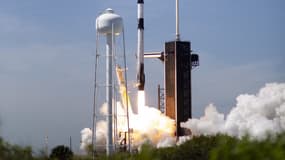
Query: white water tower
x=110, y=25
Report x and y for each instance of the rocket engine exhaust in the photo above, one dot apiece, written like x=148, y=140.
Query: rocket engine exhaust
x=140, y=49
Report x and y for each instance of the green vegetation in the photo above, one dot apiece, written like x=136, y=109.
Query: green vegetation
x=219, y=147
x=61, y=153
x=245, y=149
x=14, y=152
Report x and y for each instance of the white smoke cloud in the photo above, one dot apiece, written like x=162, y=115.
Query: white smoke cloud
x=150, y=126
x=166, y=142
x=182, y=139
x=86, y=135
x=256, y=115
x=211, y=123
x=86, y=138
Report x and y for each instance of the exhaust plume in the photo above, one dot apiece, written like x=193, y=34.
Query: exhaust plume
x=150, y=126
x=254, y=115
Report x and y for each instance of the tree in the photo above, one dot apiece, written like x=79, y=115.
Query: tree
x=61, y=152
x=14, y=152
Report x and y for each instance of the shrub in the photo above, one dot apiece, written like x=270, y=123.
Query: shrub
x=14, y=152
x=61, y=152
x=246, y=149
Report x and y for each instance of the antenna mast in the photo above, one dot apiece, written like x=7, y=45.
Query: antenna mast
x=177, y=21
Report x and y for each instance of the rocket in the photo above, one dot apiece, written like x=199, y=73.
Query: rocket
x=140, y=49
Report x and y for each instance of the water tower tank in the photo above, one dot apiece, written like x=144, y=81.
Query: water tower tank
x=108, y=21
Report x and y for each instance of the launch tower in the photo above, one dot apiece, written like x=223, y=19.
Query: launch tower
x=178, y=62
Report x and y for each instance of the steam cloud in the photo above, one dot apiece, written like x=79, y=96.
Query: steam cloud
x=86, y=138
x=150, y=126
x=254, y=115
x=86, y=135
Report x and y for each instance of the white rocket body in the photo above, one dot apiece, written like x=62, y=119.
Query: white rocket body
x=140, y=49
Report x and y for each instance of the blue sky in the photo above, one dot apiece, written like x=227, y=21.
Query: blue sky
x=47, y=58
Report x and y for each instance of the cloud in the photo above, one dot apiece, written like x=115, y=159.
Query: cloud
x=256, y=115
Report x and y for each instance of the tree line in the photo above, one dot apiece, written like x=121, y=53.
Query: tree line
x=218, y=147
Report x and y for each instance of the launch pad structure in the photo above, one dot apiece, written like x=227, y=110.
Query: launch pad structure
x=175, y=99
x=178, y=62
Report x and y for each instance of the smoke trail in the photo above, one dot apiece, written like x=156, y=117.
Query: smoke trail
x=254, y=115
